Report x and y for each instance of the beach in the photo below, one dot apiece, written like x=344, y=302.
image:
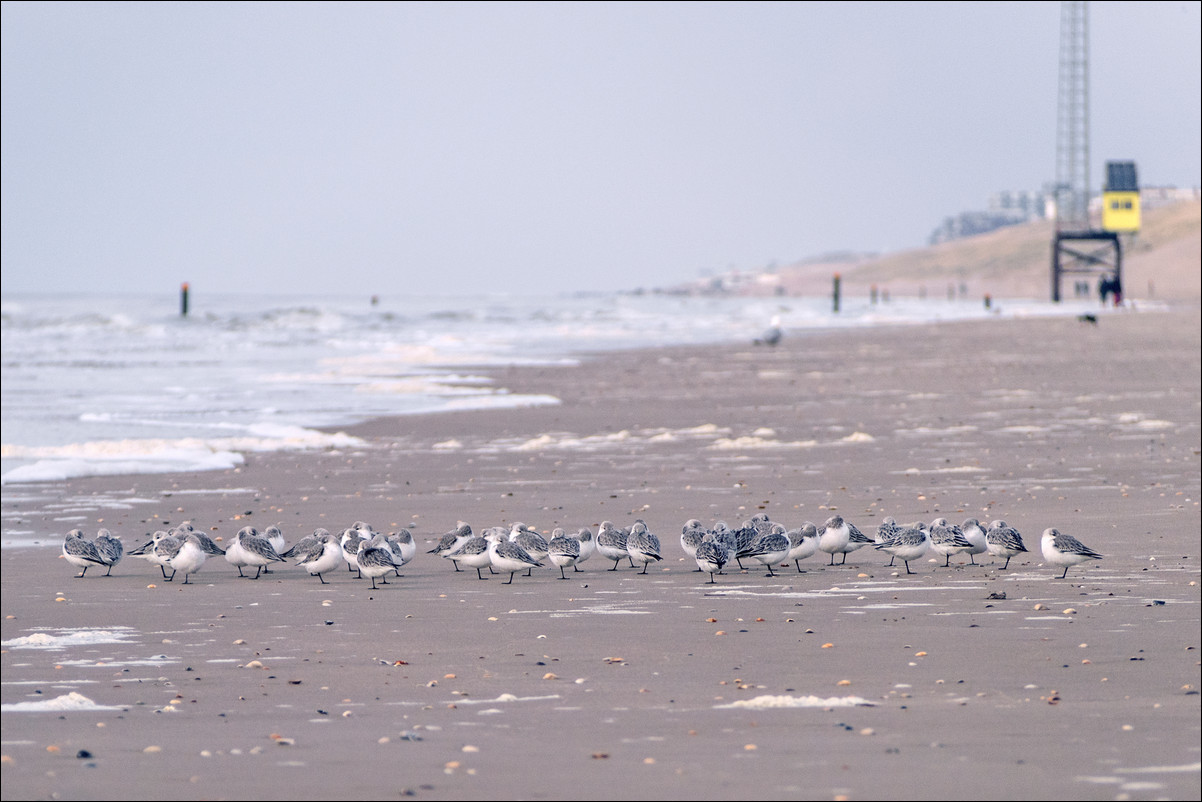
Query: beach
x=852, y=681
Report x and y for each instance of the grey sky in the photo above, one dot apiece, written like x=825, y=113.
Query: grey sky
x=398, y=148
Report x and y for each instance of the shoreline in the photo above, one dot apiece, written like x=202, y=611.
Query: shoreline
x=441, y=686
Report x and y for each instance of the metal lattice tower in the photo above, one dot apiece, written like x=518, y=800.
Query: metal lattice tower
x=1072, y=123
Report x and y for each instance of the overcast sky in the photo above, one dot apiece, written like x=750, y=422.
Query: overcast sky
x=397, y=148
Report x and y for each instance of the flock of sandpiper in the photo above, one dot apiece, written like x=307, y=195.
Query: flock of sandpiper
x=516, y=548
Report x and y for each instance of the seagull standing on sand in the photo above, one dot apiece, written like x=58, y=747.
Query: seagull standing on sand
x=1003, y=540
x=1066, y=550
x=81, y=552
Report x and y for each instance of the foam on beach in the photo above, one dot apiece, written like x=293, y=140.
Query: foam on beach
x=69, y=703
x=781, y=702
x=71, y=637
x=158, y=455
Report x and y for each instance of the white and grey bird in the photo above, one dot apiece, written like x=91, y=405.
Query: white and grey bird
x=803, y=543
x=642, y=546
x=840, y=536
x=588, y=545
x=770, y=547
x=724, y=535
x=81, y=552
x=452, y=540
x=275, y=537
x=507, y=556
x=159, y=551
x=907, y=543
x=1003, y=540
x=947, y=539
x=403, y=547
x=711, y=557
x=743, y=537
x=974, y=533
x=351, y=541
x=317, y=553
x=1061, y=549
x=473, y=553
x=531, y=542
x=563, y=551
x=255, y=550
x=110, y=549
x=207, y=544
x=235, y=555
x=375, y=559
x=885, y=531
x=691, y=536
x=189, y=557
x=611, y=543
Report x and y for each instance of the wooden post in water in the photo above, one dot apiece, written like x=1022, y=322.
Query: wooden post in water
x=183, y=299
x=835, y=293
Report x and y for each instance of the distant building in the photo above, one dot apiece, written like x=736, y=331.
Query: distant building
x=1006, y=208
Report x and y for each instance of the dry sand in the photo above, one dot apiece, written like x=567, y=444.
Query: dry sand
x=659, y=686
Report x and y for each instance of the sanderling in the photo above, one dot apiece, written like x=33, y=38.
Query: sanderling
x=110, y=549
x=691, y=536
x=189, y=557
x=611, y=543
x=563, y=551
x=770, y=547
x=803, y=543
x=255, y=550
x=840, y=536
x=531, y=542
x=375, y=559
x=505, y=555
x=885, y=531
x=81, y=552
x=452, y=540
x=974, y=533
x=711, y=556
x=473, y=553
x=642, y=546
x=351, y=541
x=947, y=539
x=908, y=543
x=1003, y=540
x=588, y=545
x=1066, y=550
x=317, y=553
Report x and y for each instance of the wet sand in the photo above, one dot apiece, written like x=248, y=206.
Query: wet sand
x=619, y=685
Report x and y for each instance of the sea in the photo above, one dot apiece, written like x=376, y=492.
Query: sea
x=94, y=385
